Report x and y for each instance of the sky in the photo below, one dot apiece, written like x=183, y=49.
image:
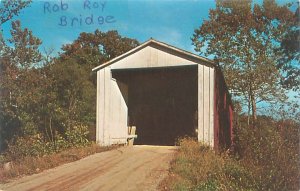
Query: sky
x=58, y=22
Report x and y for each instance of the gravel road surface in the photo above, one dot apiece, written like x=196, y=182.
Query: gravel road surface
x=139, y=168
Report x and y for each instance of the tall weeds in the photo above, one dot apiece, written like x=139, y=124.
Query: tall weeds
x=264, y=158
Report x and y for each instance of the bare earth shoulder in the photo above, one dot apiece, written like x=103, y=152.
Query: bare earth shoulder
x=129, y=168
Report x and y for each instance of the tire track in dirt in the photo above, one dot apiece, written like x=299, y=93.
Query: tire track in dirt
x=85, y=178
x=128, y=168
x=141, y=175
x=59, y=174
x=66, y=181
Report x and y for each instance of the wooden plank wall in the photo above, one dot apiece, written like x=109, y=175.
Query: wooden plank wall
x=150, y=57
x=111, y=120
x=100, y=108
x=206, y=104
x=118, y=115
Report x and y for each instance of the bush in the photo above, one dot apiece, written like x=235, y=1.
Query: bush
x=265, y=158
x=271, y=153
x=25, y=146
x=78, y=136
x=37, y=145
x=198, y=167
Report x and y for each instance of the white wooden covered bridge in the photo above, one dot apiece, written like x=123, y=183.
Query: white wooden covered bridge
x=166, y=93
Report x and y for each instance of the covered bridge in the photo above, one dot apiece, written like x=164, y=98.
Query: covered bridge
x=166, y=93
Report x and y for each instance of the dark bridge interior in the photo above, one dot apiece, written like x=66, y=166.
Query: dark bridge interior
x=162, y=102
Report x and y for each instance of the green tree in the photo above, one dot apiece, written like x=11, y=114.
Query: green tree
x=25, y=52
x=75, y=82
x=50, y=101
x=243, y=37
x=20, y=83
x=290, y=46
x=74, y=95
x=92, y=49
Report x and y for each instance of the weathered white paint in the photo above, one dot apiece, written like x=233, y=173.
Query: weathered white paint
x=211, y=106
x=100, y=108
x=206, y=104
x=200, y=104
x=160, y=45
x=111, y=103
x=150, y=57
x=111, y=125
x=118, y=115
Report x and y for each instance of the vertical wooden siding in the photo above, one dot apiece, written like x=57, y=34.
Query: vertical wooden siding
x=223, y=113
x=206, y=104
x=149, y=57
x=112, y=110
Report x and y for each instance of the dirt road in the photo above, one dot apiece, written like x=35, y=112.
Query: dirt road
x=129, y=168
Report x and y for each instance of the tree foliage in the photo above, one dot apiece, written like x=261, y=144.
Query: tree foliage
x=264, y=158
x=95, y=48
x=25, y=52
x=243, y=37
x=11, y=8
x=19, y=86
x=290, y=46
x=48, y=103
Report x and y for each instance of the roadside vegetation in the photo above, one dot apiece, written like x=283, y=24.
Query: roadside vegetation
x=47, y=99
x=257, y=48
x=265, y=158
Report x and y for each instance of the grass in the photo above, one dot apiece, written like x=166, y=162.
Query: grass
x=31, y=165
x=198, y=167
